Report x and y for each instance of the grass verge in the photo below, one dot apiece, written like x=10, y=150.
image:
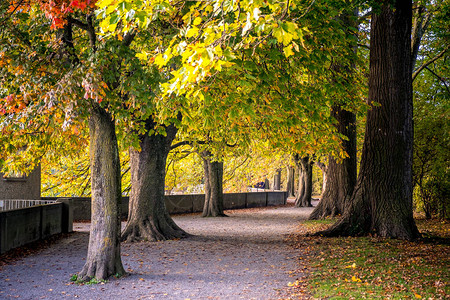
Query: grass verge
x=372, y=268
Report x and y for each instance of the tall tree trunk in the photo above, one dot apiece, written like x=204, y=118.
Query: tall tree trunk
x=148, y=218
x=277, y=180
x=213, y=206
x=290, y=181
x=341, y=177
x=266, y=184
x=305, y=183
x=323, y=168
x=381, y=203
x=301, y=180
x=103, y=258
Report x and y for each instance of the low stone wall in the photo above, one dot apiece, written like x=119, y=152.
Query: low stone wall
x=21, y=226
x=192, y=203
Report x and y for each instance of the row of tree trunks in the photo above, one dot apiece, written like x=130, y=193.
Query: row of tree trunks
x=148, y=218
x=381, y=203
x=304, y=167
x=213, y=172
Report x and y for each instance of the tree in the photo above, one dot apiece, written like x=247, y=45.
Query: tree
x=148, y=217
x=431, y=149
x=290, y=186
x=55, y=73
x=258, y=41
x=429, y=55
x=213, y=171
x=341, y=175
x=304, y=167
x=152, y=123
x=382, y=200
x=103, y=258
x=323, y=168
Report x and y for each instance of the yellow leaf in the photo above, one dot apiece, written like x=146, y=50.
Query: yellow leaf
x=296, y=283
x=191, y=32
x=197, y=21
x=142, y=55
x=104, y=3
x=417, y=296
x=288, y=51
x=356, y=279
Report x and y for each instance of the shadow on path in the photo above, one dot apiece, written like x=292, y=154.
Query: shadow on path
x=240, y=257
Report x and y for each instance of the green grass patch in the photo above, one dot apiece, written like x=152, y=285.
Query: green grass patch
x=74, y=278
x=373, y=268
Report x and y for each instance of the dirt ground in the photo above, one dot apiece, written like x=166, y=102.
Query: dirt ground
x=244, y=256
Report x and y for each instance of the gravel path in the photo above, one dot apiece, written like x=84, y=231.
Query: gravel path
x=243, y=256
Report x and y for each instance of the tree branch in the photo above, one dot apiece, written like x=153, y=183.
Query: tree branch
x=364, y=46
x=128, y=38
x=179, y=144
x=77, y=23
x=426, y=64
x=439, y=77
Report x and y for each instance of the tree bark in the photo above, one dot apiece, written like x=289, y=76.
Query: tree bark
x=266, y=184
x=277, y=180
x=323, y=168
x=304, y=195
x=290, y=181
x=381, y=203
x=148, y=218
x=341, y=177
x=213, y=206
x=103, y=258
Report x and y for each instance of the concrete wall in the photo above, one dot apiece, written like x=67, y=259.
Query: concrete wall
x=177, y=204
x=233, y=200
x=21, y=226
x=21, y=188
x=274, y=198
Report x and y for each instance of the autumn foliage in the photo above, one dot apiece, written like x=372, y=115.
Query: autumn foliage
x=54, y=10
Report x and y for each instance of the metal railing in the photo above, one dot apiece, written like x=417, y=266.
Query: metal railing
x=18, y=204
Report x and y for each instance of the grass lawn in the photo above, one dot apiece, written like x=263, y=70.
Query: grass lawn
x=370, y=267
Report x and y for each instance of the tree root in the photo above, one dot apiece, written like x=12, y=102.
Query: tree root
x=149, y=231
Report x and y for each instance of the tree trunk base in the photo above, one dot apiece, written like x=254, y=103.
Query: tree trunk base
x=153, y=231
x=99, y=270
x=327, y=208
x=360, y=219
x=302, y=202
x=342, y=228
x=323, y=213
x=213, y=215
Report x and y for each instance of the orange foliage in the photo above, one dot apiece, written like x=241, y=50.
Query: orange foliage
x=55, y=10
x=12, y=103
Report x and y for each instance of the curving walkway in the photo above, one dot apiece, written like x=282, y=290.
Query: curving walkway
x=243, y=256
